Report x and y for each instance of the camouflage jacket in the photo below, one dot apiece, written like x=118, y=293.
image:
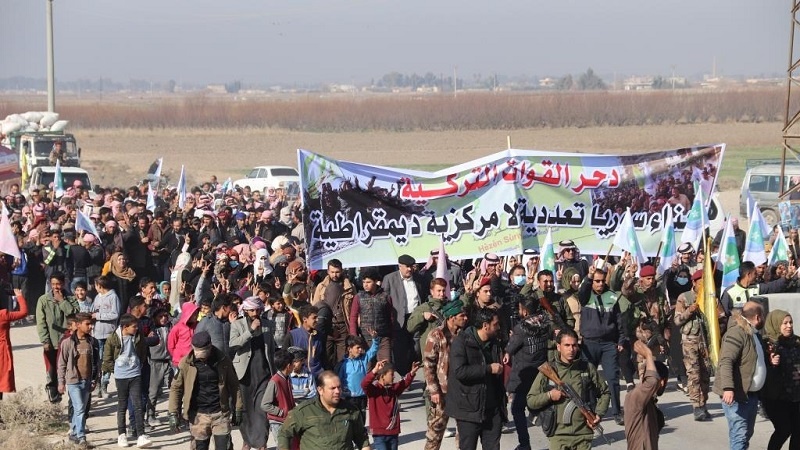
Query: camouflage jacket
x=436, y=359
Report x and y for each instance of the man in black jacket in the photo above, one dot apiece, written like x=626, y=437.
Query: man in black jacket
x=475, y=393
x=603, y=331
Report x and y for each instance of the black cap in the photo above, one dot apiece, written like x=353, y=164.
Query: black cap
x=406, y=260
x=201, y=339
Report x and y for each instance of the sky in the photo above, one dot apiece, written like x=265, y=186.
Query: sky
x=345, y=41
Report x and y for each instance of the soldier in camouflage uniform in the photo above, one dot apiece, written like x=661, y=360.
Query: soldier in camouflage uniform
x=436, y=363
x=695, y=353
x=650, y=311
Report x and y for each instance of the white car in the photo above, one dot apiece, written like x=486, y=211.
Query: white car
x=263, y=177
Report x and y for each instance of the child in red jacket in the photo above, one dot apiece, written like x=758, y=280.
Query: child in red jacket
x=384, y=409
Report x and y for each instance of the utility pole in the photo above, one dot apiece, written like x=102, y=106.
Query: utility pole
x=455, y=81
x=51, y=71
x=673, y=77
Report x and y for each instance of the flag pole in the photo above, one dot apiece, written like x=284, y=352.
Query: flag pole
x=658, y=255
x=608, y=253
x=724, y=237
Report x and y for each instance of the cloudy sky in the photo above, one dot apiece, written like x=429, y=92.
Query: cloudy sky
x=302, y=41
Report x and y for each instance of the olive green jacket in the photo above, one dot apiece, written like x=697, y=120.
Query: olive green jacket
x=416, y=321
x=585, y=380
x=51, y=318
x=182, y=389
x=319, y=429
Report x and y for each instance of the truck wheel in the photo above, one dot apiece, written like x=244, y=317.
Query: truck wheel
x=771, y=217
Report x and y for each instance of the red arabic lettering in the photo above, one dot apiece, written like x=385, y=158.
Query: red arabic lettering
x=597, y=178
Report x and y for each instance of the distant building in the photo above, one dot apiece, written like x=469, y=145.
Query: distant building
x=547, y=83
x=216, y=88
x=638, y=84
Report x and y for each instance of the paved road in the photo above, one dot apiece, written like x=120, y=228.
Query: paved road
x=681, y=431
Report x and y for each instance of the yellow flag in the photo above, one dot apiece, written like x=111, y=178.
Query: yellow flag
x=707, y=299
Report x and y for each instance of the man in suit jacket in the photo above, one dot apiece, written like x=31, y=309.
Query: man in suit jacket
x=406, y=289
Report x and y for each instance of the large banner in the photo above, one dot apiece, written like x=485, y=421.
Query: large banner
x=367, y=215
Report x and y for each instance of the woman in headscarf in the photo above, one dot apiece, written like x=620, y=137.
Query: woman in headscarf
x=7, y=316
x=253, y=348
x=262, y=269
x=781, y=393
x=123, y=280
x=182, y=263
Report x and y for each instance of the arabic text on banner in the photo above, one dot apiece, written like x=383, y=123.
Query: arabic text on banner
x=368, y=215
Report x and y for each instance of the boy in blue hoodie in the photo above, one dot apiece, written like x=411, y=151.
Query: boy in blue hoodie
x=354, y=368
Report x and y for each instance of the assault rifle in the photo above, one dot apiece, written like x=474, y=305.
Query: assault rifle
x=557, y=319
x=547, y=370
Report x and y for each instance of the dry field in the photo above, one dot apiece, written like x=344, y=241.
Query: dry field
x=120, y=156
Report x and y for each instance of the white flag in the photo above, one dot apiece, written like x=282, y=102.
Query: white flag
x=627, y=240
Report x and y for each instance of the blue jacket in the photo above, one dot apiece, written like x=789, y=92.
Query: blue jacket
x=353, y=370
x=22, y=269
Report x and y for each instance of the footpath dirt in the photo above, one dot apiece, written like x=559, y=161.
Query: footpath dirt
x=681, y=430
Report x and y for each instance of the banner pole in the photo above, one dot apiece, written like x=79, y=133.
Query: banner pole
x=508, y=138
x=658, y=255
x=608, y=253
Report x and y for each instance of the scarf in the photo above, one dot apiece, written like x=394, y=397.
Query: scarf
x=125, y=273
x=772, y=325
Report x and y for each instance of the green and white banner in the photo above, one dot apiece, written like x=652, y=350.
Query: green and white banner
x=367, y=215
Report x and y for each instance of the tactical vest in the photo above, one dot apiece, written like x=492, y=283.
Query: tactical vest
x=374, y=312
x=693, y=326
x=740, y=295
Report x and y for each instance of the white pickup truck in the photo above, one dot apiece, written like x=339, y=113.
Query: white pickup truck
x=44, y=176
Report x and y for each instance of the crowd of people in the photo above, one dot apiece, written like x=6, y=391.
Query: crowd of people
x=651, y=193
x=208, y=312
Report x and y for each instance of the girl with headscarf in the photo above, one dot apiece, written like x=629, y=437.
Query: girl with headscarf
x=7, y=316
x=781, y=393
x=253, y=348
x=123, y=279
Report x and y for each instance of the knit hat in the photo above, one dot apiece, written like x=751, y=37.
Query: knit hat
x=452, y=308
x=201, y=340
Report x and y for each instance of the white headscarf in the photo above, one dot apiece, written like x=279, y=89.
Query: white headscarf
x=259, y=263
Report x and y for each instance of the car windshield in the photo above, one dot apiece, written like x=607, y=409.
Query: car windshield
x=253, y=174
x=284, y=172
x=67, y=178
x=43, y=147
